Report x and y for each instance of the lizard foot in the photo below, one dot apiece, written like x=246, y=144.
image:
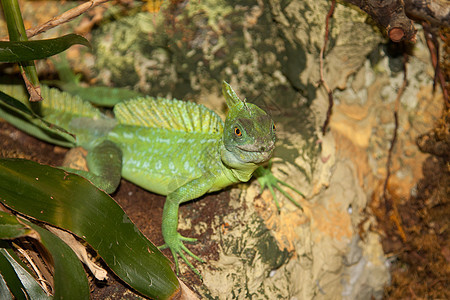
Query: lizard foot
x=177, y=248
x=267, y=179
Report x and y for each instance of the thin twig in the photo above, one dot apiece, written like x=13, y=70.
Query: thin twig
x=44, y=283
x=65, y=17
x=394, y=137
x=433, y=47
x=322, y=80
x=389, y=201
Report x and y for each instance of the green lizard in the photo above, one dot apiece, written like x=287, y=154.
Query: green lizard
x=170, y=147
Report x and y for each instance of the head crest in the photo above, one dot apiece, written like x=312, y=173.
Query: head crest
x=246, y=106
x=232, y=99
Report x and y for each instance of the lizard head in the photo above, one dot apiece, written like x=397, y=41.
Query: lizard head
x=249, y=132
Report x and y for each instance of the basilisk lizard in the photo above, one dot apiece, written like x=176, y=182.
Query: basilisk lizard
x=174, y=148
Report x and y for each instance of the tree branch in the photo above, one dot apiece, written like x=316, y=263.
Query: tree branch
x=65, y=17
x=389, y=14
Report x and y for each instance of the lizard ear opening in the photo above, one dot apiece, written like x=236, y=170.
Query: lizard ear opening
x=232, y=99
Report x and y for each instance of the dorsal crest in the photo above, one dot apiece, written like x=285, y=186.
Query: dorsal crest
x=168, y=114
x=55, y=102
x=59, y=102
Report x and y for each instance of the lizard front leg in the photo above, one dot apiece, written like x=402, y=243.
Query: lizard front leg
x=172, y=238
x=267, y=179
x=104, y=162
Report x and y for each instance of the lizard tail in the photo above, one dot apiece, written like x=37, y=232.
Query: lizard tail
x=67, y=111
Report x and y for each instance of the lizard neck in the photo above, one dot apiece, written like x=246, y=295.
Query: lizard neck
x=239, y=170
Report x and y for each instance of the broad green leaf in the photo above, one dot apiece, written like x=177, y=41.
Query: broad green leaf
x=19, y=115
x=70, y=202
x=28, y=284
x=16, y=51
x=9, y=275
x=100, y=95
x=4, y=290
x=69, y=278
x=11, y=227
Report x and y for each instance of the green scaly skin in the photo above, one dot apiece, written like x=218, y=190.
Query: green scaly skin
x=185, y=166
x=182, y=162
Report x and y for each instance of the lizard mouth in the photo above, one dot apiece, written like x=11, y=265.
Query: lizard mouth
x=256, y=154
x=238, y=155
x=257, y=148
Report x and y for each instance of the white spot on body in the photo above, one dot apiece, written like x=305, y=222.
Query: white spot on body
x=134, y=162
x=128, y=135
x=164, y=141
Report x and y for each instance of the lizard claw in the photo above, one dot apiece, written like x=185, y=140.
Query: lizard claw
x=177, y=248
x=267, y=179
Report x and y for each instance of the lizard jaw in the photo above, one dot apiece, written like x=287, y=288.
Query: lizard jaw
x=268, y=147
x=256, y=154
x=252, y=156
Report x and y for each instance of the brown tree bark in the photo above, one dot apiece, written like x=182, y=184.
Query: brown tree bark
x=390, y=15
x=397, y=16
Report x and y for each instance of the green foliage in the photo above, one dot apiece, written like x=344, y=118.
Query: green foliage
x=53, y=196
x=71, y=202
x=17, y=279
x=69, y=278
x=17, y=51
x=11, y=228
x=21, y=116
x=16, y=30
x=104, y=96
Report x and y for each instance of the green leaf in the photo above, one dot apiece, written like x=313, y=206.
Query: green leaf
x=4, y=290
x=10, y=277
x=19, y=115
x=24, y=280
x=11, y=227
x=16, y=51
x=101, y=95
x=69, y=276
x=69, y=201
x=70, y=281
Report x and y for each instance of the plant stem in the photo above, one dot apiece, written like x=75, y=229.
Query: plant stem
x=16, y=31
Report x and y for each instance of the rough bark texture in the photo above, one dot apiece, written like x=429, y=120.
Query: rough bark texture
x=397, y=17
x=390, y=15
x=434, y=12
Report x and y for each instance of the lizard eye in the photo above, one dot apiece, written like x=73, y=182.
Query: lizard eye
x=274, y=128
x=237, y=131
